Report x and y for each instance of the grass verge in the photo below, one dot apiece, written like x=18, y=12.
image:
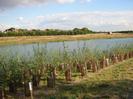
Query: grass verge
x=35, y=39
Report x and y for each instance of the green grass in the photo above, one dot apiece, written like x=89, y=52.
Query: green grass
x=113, y=82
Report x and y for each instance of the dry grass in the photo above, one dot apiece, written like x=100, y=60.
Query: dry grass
x=32, y=39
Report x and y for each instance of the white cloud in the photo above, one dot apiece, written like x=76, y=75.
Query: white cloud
x=20, y=19
x=65, y=1
x=95, y=20
x=5, y=4
x=84, y=1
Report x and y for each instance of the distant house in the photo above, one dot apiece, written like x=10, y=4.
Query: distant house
x=110, y=33
x=11, y=30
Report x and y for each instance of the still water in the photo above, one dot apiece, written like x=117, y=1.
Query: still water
x=101, y=44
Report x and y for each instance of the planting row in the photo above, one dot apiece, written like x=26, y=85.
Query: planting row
x=17, y=71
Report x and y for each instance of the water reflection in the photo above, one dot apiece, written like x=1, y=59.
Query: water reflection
x=102, y=44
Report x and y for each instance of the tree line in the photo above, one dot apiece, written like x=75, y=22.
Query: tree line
x=123, y=32
x=37, y=32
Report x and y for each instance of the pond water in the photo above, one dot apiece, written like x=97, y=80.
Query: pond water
x=102, y=44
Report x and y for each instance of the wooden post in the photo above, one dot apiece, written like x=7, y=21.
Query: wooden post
x=94, y=67
x=102, y=65
x=126, y=56
x=113, y=58
x=88, y=65
x=27, y=76
x=78, y=67
x=130, y=54
x=116, y=59
x=62, y=66
x=107, y=62
x=74, y=66
x=82, y=70
x=55, y=72
x=68, y=74
x=31, y=90
x=103, y=62
x=121, y=57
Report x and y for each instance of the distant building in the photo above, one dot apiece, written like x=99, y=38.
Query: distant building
x=110, y=33
x=11, y=30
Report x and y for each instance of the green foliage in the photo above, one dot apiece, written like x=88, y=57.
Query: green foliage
x=34, y=32
x=123, y=32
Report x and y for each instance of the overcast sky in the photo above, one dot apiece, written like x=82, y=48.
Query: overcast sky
x=98, y=15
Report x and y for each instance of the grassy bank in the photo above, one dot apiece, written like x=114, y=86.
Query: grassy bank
x=110, y=83
x=33, y=39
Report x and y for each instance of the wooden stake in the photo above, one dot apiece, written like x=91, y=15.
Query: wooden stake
x=31, y=90
x=94, y=67
x=68, y=74
x=107, y=62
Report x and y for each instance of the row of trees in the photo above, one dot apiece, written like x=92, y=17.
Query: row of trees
x=35, y=32
x=123, y=32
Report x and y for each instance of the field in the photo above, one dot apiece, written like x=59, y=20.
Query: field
x=33, y=39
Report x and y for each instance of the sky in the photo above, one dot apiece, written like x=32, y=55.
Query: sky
x=97, y=15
